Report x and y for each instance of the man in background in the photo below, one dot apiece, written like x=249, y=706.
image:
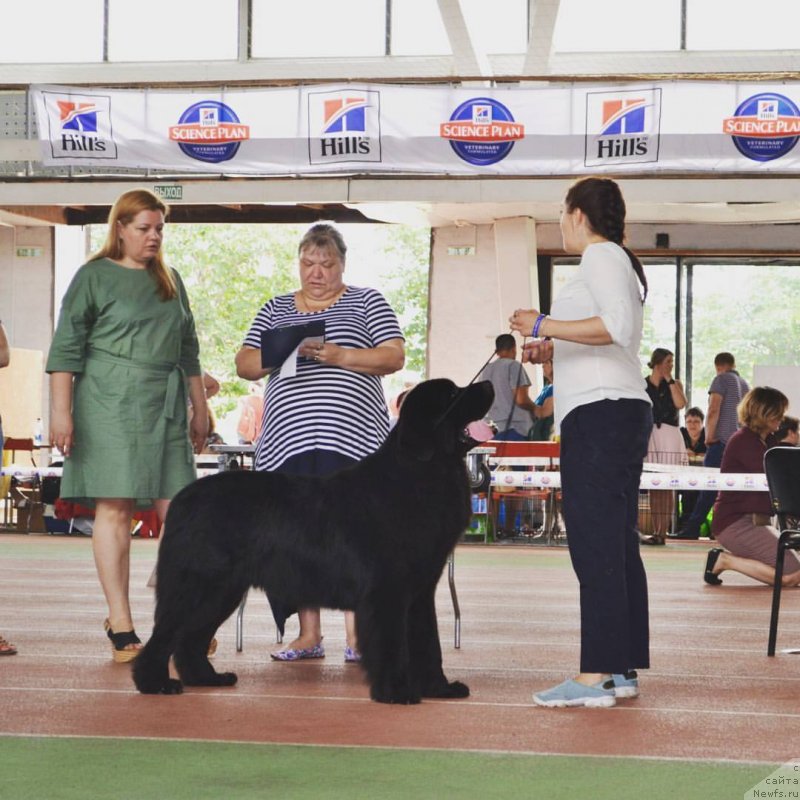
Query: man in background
x=724, y=395
x=513, y=411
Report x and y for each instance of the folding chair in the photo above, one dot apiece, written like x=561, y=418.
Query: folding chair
x=451, y=582
x=782, y=468
x=23, y=493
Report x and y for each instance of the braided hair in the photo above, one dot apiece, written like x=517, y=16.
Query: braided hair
x=601, y=201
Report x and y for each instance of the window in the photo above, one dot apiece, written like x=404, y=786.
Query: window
x=318, y=29
x=771, y=25
x=417, y=29
x=625, y=25
x=498, y=28
x=179, y=30
x=748, y=309
x=41, y=31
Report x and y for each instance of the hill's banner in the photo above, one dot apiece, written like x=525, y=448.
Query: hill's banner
x=563, y=130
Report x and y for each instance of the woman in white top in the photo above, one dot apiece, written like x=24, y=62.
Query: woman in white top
x=605, y=418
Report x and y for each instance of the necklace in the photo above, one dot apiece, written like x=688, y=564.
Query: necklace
x=301, y=300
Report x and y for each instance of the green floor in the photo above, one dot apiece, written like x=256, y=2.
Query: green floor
x=85, y=769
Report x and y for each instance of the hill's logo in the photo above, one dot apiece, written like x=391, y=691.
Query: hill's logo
x=622, y=127
x=482, y=131
x=79, y=126
x=344, y=126
x=764, y=127
x=209, y=131
x=78, y=116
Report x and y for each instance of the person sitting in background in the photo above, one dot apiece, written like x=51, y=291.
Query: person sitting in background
x=787, y=434
x=214, y=437
x=251, y=413
x=694, y=439
x=394, y=406
x=542, y=428
x=512, y=411
x=694, y=434
x=741, y=521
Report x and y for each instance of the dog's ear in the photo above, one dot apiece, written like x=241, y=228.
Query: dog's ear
x=415, y=430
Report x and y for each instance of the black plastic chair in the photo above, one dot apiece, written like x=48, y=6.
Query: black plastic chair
x=782, y=468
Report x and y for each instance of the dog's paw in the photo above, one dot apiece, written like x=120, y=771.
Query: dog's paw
x=456, y=690
x=168, y=686
x=395, y=696
x=227, y=678
x=445, y=690
x=211, y=679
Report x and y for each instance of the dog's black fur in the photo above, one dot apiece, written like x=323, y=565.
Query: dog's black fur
x=373, y=538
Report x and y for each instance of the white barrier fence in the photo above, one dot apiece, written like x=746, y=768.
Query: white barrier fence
x=691, y=479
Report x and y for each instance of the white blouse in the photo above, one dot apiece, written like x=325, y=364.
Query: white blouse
x=605, y=286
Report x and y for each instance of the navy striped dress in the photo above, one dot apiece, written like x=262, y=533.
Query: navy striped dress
x=324, y=407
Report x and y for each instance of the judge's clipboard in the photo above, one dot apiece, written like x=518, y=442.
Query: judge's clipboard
x=278, y=344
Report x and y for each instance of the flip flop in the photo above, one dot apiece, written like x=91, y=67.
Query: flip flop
x=6, y=648
x=298, y=654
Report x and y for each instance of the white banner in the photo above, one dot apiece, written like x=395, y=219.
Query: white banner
x=563, y=130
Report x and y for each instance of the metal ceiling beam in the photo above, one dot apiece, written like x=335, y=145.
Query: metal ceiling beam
x=762, y=65
x=542, y=23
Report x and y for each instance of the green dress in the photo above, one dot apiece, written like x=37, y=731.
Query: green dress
x=130, y=353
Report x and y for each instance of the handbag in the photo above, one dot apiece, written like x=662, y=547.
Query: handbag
x=541, y=430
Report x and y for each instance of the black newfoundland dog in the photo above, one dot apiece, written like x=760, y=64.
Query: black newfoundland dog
x=373, y=538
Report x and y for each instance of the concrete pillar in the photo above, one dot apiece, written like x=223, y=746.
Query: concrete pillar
x=479, y=275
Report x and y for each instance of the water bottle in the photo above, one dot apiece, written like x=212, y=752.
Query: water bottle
x=38, y=433
x=501, y=518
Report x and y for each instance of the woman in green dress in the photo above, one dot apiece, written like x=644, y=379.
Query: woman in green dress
x=123, y=353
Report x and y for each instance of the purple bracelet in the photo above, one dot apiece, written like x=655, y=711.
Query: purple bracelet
x=538, y=324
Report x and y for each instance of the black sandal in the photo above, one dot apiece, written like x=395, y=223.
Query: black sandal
x=120, y=642
x=711, y=560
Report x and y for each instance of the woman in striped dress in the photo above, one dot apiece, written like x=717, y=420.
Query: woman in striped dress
x=331, y=412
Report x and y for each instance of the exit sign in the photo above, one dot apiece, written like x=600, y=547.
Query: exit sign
x=29, y=252
x=171, y=191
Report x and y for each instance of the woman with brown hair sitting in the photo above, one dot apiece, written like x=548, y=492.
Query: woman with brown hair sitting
x=741, y=522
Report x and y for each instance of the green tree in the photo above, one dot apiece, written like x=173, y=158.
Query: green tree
x=229, y=272
x=408, y=250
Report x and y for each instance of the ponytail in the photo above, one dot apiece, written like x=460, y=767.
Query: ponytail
x=638, y=269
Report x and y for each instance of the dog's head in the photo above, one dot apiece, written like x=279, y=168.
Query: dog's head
x=437, y=415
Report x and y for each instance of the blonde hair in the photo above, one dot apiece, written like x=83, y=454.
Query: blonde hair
x=126, y=207
x=324, y=236
x=760, y=405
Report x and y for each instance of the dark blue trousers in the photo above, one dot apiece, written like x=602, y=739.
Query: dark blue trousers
x=603, y=445
x=705, y=500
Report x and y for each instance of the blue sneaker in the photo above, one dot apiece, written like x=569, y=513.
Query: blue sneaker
x=624, y=686
x=570, y=694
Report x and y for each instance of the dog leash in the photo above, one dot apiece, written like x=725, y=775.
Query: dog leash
x=475, y=377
